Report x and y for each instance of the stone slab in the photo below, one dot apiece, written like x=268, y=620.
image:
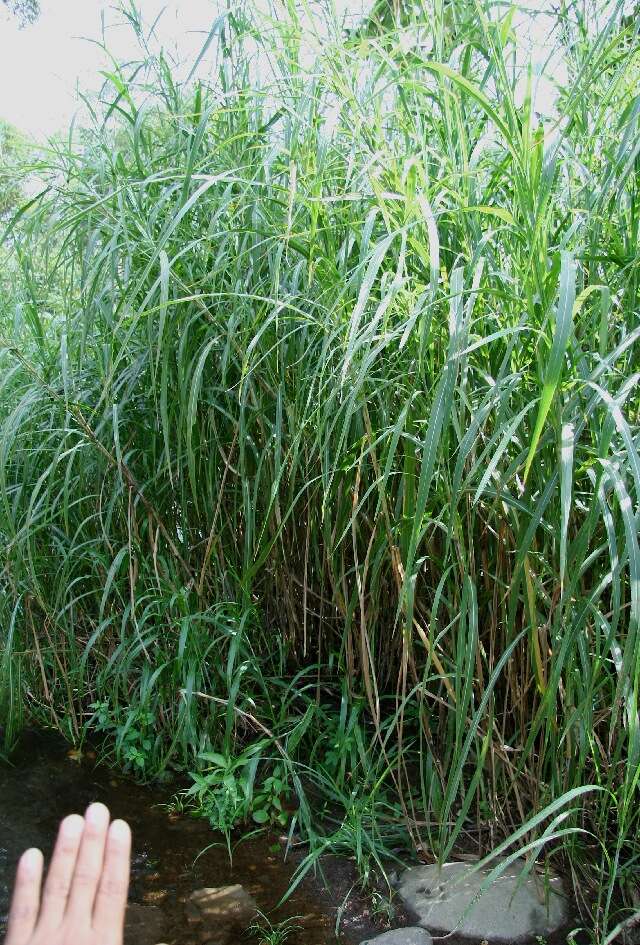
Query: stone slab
x=221, y=914
x=408, y=936
x=449, y=900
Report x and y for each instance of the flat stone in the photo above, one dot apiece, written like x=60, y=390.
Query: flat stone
x=222, y=912
x=143, y=925
x=413, y=936
x=449, y=900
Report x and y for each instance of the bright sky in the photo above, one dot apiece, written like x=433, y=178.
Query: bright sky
x=43, y=65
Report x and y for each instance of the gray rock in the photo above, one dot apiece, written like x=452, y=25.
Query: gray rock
x=222, y=913
x=449, y=900
x=402, y=937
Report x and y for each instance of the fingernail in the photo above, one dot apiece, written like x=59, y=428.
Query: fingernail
x=120, y=831
x=31, y=861
x=72, y=826
x=96, y=814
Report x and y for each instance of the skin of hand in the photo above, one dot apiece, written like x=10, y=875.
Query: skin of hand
x=84, y=896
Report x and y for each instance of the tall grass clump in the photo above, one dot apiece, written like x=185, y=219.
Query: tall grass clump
x=319, y=450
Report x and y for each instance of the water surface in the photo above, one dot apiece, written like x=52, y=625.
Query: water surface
x=44, y=783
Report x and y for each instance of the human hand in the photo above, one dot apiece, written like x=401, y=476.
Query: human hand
x=85, y=893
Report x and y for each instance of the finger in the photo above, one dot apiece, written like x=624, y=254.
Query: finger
x=26, y=898
x=111, y=901
x=88, y=868
x=58, y=882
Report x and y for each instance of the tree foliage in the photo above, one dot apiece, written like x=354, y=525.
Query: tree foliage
x=12, y=153
x=27, y=11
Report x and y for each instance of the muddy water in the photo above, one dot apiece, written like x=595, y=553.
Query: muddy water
x=44, y=783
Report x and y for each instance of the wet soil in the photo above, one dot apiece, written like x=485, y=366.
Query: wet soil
x=45, y=782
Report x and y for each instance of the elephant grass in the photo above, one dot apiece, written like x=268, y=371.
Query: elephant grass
x=319, y=406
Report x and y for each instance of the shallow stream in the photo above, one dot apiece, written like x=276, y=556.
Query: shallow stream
x=45, y=782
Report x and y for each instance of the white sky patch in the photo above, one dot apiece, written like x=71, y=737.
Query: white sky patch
x=534, y=27
x=43, y=66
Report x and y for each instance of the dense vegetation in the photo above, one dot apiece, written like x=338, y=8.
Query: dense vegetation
x=319, y=471
x=14, y=151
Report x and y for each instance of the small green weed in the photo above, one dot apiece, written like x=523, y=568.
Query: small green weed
x=227, y=792
x=132, y=729
x=176, y=805
x=382, y=907
x=273, y=933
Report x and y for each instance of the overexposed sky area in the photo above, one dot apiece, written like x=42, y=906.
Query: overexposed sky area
x=43, y=65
